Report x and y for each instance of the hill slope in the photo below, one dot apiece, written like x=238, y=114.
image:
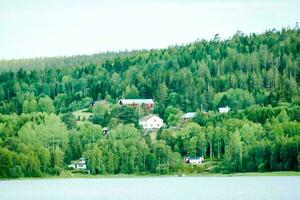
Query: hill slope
x=257, y=76
x=257, y=69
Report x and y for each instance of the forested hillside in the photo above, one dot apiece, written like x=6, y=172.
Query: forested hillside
x=257, y=76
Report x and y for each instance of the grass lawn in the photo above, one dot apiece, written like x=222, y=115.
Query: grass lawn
x=69, y=174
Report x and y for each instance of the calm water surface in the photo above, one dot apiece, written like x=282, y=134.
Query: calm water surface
x=208, y=188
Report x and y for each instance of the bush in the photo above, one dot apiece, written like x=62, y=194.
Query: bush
x=16, y=172
x=56, y=171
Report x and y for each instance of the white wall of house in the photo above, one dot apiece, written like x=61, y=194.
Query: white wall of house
x=154, y=122
x=194, y=160
x=224, y=109
x=80, y=164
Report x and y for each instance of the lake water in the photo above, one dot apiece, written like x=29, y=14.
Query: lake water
x=208, y=188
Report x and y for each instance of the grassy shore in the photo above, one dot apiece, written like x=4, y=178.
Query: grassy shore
x=69, y=174
x=279, y=173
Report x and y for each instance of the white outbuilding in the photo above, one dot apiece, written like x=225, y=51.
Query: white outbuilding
x=188, y=116
x=194, y=160
x=224, y=109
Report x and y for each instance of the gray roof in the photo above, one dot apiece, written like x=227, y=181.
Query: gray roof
x=194, y=158
x=145, y=118
x=189, y=115
x=136, y=101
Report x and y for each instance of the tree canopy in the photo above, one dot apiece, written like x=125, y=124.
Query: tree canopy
x=256, y=75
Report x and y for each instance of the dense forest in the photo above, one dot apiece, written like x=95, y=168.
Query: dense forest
x=256, y=75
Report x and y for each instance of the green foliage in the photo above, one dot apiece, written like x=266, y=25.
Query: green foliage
x=29, y=106
x=89, y=133
x=234, y=98
x=69, y=120
x=234, y=153
x=101, y=114
x=161, y=94
x=45, y=104
x=131, y=92
x=257, y=76
x=172, y=115
x=128, y=114
x=239, y=72
x=124, y=132
x=94, y=160
x=191, y=140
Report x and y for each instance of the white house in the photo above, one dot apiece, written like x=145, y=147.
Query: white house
x=194, y=160
x=188, y=116
x=151, y=122
x=79, y=164
x=224, y=109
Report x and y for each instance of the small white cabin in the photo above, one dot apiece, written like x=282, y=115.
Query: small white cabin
x=151, y=122
x=224, y=109
x=188, y=116
x=194, y=160
x=105, y=130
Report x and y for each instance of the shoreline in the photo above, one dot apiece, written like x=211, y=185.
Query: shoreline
x=70, y=175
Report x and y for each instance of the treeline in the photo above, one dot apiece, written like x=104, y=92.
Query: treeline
x=39, y=143
x=238, y=72
x=257, y=76
x=256, y=139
